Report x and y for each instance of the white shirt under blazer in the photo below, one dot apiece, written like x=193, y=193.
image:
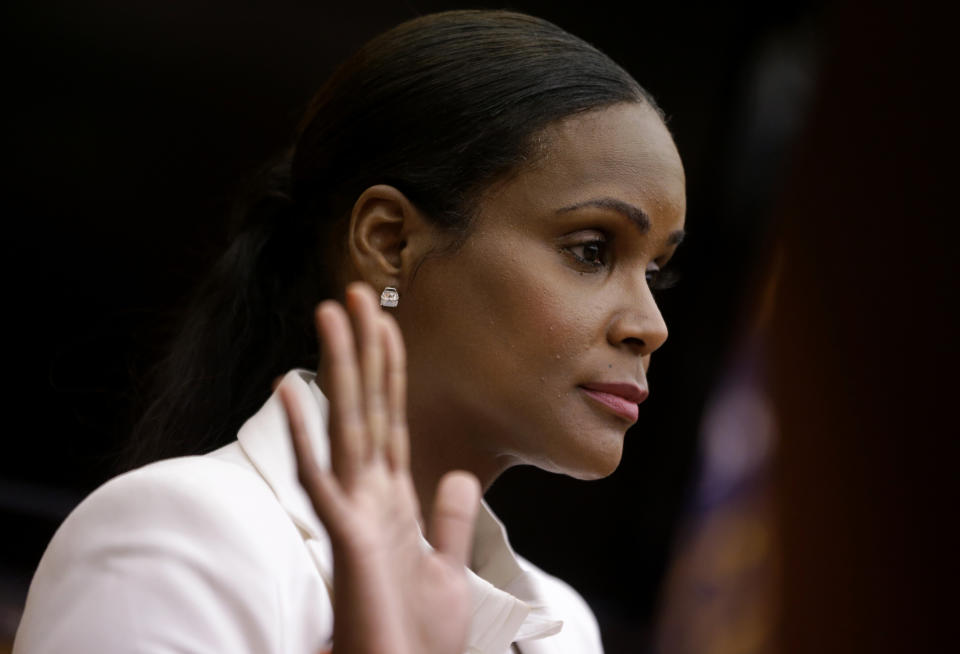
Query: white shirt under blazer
x=223, y=553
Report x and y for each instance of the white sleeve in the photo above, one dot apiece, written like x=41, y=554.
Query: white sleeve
x=178, y=557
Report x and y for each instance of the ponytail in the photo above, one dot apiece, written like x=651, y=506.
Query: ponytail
x=247, y=323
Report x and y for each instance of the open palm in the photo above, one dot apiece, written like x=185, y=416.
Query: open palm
x=393, y=594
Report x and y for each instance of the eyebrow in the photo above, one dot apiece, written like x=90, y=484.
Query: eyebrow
x=635, y=215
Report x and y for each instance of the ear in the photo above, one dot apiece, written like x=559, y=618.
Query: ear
x=382, y=223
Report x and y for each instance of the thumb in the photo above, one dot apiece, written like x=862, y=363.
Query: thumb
x=453, y=515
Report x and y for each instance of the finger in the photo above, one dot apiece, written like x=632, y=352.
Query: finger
x=319, y=486
x=453, y=516
x=341, y=376
x=364, y=312
x=398, y=440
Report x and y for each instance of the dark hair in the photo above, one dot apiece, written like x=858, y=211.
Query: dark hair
x=439, y=107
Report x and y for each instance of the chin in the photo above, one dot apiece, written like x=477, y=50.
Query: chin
x=588, y=466
x=596, y=472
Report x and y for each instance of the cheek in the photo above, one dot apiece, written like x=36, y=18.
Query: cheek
x=514, y=308
x=561, y=322
x=534, y=308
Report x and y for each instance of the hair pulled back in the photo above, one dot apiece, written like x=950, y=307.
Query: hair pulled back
x=440, y=107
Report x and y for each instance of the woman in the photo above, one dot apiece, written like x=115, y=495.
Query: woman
x=511, y=195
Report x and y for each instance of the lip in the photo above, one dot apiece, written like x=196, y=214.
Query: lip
x=621, y=399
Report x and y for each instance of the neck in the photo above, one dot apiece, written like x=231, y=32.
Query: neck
x=439, y=445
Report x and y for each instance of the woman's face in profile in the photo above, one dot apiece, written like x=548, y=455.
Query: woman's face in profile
x=528, y=335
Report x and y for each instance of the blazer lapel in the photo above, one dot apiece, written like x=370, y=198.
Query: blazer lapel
x=265, y=439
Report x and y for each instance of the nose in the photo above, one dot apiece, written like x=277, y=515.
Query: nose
x=638, y=325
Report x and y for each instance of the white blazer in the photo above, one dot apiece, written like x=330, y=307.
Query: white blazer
x=223, y=553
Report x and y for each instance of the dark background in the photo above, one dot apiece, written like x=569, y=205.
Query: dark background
x=131, y=125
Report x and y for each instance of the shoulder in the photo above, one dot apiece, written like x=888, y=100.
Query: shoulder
x=195, y=543
x=580, y=631
x=193, y=497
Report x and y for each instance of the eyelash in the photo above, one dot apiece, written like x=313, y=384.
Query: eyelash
x=603, y=245
x=658, y=279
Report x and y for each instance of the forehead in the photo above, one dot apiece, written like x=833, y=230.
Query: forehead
x=623, y=151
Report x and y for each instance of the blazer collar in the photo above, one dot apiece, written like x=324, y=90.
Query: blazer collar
x=508, y=604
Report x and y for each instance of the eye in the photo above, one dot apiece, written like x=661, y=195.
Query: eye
x=653, y=274
x=658, y=279
x=593, y=253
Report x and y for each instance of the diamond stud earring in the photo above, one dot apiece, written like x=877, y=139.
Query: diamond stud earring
x=390, y=297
